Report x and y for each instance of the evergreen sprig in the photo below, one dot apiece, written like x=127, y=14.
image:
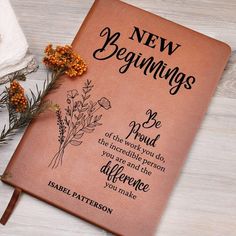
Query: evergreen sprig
x=22, y=109
x=36, y=105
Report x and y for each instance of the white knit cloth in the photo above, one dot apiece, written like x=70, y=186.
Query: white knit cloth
x=13, y=44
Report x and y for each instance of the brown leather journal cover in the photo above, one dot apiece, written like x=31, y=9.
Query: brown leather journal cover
x=113, y=151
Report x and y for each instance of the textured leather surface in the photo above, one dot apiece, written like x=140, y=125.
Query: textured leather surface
x=131, y=95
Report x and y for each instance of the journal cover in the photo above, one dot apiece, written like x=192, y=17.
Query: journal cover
x=112, y=153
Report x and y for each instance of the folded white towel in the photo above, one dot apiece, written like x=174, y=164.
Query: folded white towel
x=13, y=44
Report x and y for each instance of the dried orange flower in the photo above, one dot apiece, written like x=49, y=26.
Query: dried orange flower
x=64, y=59
x=17, y=97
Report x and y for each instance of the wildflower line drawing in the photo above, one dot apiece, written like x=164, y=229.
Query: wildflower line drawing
x=81, y=118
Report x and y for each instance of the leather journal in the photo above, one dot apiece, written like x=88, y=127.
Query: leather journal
x=112, y=152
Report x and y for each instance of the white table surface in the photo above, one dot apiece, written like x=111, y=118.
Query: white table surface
x=203, y=202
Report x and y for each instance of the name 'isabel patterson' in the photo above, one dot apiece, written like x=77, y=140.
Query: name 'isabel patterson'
x=80, y=197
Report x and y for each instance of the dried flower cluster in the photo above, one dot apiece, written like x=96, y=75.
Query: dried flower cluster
x=64, y=59
x=17, y=98
x=22, y=108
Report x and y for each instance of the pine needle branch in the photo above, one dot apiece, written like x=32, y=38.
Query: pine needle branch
x=36, y=105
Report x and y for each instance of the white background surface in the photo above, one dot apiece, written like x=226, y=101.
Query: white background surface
x=203, y=202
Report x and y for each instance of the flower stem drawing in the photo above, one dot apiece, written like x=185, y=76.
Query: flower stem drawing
x=81, y=117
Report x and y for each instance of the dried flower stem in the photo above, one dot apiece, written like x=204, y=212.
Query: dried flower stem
x=21, y=74
x=3, y=99
x=36, y=105
x=21, y=108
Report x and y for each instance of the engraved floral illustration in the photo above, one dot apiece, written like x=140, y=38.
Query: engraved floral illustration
x=82, y=116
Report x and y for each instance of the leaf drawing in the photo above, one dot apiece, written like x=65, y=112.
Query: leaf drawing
x=81, y=118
